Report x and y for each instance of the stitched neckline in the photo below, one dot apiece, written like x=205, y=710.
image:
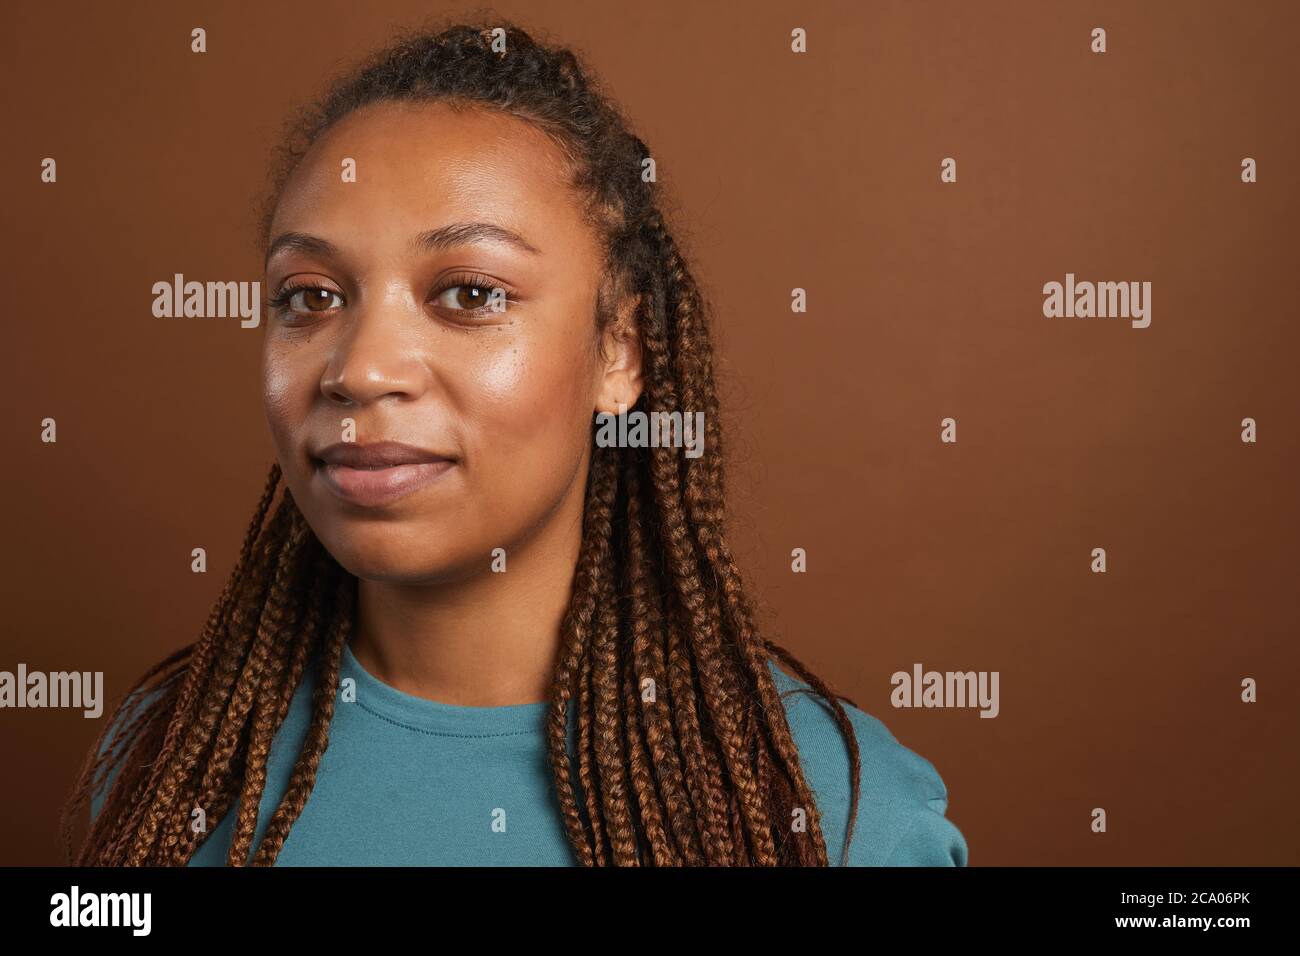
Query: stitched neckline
x=432, y=716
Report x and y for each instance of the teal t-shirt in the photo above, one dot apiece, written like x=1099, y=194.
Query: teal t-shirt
x=412, y=782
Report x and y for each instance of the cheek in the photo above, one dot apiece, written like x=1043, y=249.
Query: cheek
x=287, y=388
x=532, y=407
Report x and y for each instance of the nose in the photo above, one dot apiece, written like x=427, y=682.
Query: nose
x=376, y=359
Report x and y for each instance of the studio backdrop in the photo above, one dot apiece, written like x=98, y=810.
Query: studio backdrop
x=1006, y=338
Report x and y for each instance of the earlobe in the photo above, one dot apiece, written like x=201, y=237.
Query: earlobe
x=622, y=381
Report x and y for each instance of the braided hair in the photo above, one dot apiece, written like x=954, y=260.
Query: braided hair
x=707, y=773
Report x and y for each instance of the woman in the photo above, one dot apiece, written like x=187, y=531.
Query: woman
x=520, y=645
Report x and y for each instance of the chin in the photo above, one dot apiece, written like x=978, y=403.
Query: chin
x=387, y=555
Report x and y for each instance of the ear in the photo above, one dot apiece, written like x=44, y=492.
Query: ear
x=620, y=378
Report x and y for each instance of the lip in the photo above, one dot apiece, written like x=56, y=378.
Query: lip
x=379, y=473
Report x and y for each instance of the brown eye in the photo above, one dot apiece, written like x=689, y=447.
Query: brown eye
x=305, y=300
x=472, y=295
x=314, y=300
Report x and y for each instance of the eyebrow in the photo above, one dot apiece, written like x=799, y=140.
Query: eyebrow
x=432, y=240
x=459, y=233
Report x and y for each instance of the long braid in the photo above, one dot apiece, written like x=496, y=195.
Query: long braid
x=276, y=692
x=272, y=628
x=170, y=799
x=303, y=777
x=274, y=689
x=233, y=727
x=567, y=678
x=607, y=679
x=676, y=841
x=588, y=782
x=704, y=770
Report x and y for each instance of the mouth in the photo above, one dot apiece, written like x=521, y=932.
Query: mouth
x=378, y=474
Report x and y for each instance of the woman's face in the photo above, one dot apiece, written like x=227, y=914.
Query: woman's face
x=388, y=332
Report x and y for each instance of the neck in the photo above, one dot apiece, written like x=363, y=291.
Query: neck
x=490, y=639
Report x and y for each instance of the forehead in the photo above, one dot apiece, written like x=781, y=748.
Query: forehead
x=421, y=164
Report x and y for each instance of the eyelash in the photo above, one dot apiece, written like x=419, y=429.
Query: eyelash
x=280, y=300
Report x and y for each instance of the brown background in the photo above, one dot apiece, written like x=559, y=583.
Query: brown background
x=819, y=171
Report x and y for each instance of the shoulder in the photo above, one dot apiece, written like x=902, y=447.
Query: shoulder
x=131, y=708
x=902, y=800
